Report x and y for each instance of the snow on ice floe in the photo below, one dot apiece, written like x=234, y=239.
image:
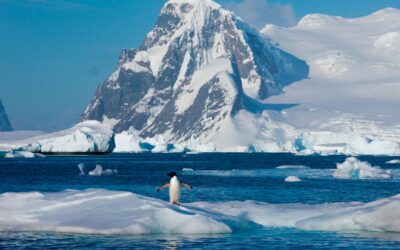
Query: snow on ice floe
x=97, y=211
x=292, y=179
x=382, y=215
x=353, y=168
x=101, y=212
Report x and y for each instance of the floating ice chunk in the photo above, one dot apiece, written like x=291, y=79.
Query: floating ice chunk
x=292, y=179
x=99, y=171
x=187, y=169
x=293, y=167
x=81, y=167
x=353, y=168
x=22, y=154
x=396, y=161
x=101, y=212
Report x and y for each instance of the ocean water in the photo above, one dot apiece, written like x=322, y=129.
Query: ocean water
x=215, y=177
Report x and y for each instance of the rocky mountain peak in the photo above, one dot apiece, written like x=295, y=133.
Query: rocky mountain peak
x=198, y=67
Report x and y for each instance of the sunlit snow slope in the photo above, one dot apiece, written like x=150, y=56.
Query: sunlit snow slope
x=354, y=84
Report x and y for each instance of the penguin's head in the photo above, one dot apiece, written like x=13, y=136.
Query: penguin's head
x=172, y=174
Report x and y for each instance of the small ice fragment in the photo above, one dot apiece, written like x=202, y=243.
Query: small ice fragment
x=396, y=161
x=187, y=169
x=99, y=171
x=293, y=167
x=81, y=167
x=292, y=179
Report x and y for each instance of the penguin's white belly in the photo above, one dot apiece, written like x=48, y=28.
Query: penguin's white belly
x=174, y=190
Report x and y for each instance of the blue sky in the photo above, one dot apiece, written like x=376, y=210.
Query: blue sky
x=54, y=53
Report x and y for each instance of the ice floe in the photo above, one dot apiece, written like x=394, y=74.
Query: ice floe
x=353, y=168
x=97, y=211
x=101, y=212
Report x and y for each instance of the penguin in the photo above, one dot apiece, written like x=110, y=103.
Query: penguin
x=174, y=188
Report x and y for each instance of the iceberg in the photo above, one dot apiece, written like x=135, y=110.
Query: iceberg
x=352, y=168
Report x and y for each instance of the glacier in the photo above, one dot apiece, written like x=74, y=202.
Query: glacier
x=348, y=105
x=104, y=212
x=84, y=137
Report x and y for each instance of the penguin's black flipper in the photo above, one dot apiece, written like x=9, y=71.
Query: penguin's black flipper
x=162, y=187
x=183, y=184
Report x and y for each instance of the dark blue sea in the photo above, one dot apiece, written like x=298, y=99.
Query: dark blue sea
x=215, y=177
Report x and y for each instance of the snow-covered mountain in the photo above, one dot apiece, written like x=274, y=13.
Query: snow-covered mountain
x=201, y=73
x=205, y=81
x=4, y=122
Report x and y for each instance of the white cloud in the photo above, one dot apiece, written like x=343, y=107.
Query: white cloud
x=260, y=12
